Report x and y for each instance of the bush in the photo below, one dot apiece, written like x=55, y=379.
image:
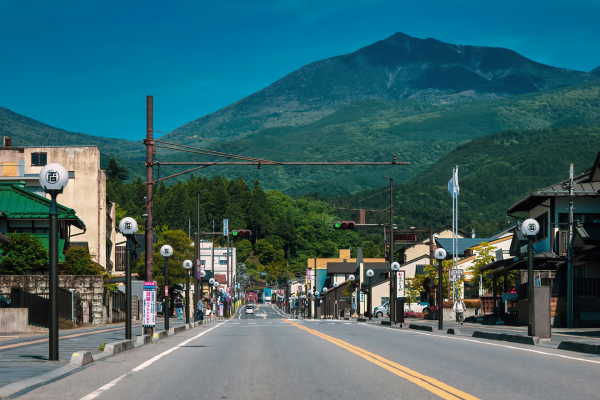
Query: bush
x=78, y=261
x=22, y=254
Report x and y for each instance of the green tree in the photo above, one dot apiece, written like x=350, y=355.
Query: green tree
x=485, y=256
x=114, y=172
x=24, y=253
x=431, y=274
x=78, y=261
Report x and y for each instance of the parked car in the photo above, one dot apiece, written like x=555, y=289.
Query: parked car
x=381, y=310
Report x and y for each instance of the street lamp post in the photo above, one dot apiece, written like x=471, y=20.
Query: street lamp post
x=317, y=303
x=128, y=227
x=440, y=255
x=215, y=285
x=394, y=267
x=303, y=301
x=53, y=178
x=187, y=265
x=166, y=251
x=325, y=298
x=370, y=274
x=351, y=279
x=309, y=297
x=335, y=304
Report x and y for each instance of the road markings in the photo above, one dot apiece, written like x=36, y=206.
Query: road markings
x=140, y=367
x=495, y=344
x=432, y=385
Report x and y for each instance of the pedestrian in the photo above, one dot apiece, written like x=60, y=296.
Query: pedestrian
x=200, y=307
x=179, y=307
x=459, y=309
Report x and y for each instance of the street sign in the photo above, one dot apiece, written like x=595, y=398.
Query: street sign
x=362, y=297
x=456, y=275
x=400, y=285
x=149, y=307
x=405, y=237
x=166, y=291
x=225, y=227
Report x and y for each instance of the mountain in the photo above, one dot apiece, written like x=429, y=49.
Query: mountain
x=378, y=130
x=494, y=172
x=26, y=131
x=399, y=67
x=595, y=71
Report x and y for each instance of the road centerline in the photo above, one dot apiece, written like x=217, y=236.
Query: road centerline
x=430, y=384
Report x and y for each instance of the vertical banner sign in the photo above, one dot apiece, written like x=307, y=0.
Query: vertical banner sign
x=220, y=309
x=149, y=317
x=400, y=285
x=225, y=227
x=308, y=274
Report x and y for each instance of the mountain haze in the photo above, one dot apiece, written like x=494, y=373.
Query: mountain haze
x=399, y=67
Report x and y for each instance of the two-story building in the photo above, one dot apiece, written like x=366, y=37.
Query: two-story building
x=85, y=193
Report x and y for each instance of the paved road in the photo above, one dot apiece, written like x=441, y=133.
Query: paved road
x=27, y=356
x=273, y=357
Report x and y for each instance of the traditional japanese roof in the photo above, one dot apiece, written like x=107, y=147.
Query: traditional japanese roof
x=463, y=244
x=18, y=203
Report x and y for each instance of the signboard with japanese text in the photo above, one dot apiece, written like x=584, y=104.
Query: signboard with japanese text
x=400, y=284
x=225, y=227
x=456, y=275
x=149, y=314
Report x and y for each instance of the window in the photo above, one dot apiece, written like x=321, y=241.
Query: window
x=203, y=262
x=71, y=174
x=543, y=233
x=222, y=262
x=39, y=159
x=563, y=218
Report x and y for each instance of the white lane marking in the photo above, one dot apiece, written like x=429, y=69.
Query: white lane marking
x=140, y=367
x=496, y=344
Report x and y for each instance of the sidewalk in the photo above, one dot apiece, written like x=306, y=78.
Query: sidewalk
x=578, y=335
x=25, y=355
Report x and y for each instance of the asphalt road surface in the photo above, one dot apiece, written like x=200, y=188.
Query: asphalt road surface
x=275, y=358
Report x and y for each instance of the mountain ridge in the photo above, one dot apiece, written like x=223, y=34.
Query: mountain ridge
x=395, y=68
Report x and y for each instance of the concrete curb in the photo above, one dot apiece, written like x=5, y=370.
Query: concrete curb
x=144, y=339
x=361, y=320
x=82, y=358
x=388, y=323
x=177, y=329
x=453, y=331
x=530, y=340
x=160, y=335
x=425, y=328
x=118, y=347
x=579, y=347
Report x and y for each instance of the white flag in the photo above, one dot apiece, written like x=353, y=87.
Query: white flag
x=453, y=185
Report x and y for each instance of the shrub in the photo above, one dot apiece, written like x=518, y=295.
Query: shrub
x=22, y=254
x=78, y=261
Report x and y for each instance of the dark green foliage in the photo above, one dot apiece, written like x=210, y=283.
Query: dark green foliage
x=22, y=255
x=114, y=171
x=78, y=261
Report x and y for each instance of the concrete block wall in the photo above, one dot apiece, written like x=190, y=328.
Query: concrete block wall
x=90, y=288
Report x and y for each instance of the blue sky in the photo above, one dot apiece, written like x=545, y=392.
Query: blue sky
x=86, y=66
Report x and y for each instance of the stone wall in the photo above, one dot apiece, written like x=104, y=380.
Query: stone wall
x=90, y=288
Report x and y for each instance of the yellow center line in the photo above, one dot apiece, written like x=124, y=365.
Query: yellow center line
x=433, y=385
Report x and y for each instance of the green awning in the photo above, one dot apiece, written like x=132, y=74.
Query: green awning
x=18, y=203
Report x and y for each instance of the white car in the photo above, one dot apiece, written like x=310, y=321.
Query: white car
x=249, y=309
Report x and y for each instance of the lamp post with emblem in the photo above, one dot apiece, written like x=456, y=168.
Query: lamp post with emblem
x=53, y=178
x=351, y=279
x=440, y=255
x=370, y=274
x=128, y=226
x=335, y=304
x=166, y=251
x=325, y=299
x=394, y=267
x=187, y=265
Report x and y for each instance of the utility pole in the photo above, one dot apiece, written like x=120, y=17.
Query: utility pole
x=570, y=254
x=149, y=142
x=392, y=300
x=212, y=260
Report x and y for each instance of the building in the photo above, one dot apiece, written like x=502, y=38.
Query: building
x=219, y=262
x=85, y=193
x=22, y=211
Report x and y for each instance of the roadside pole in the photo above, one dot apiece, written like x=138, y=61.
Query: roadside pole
x=53, y=178
x=187, y=265
x=166, y=251
x=128, y=226
x=149, y=233
x=392, y=305
x=440, y=254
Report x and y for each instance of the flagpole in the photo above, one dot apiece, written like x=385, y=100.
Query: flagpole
x=456, y=228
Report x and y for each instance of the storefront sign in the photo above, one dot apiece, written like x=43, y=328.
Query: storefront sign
x=149, y=315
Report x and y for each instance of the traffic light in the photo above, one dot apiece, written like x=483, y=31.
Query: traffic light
x=241, y=233
x=344, y=225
